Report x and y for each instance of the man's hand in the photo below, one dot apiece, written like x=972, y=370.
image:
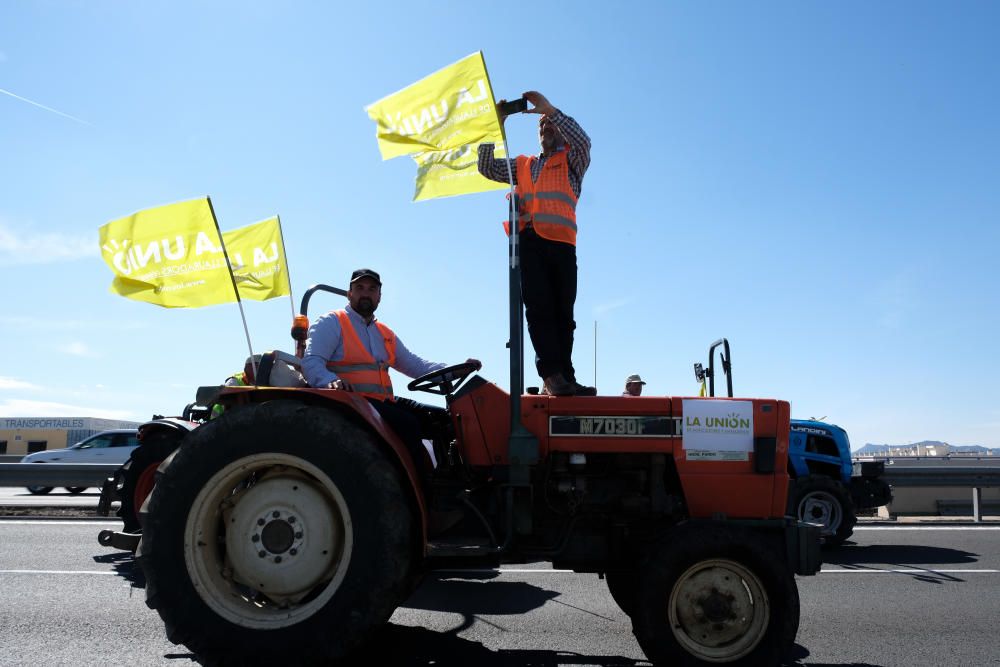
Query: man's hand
x=342, y=385
x=539, y=103
x=500, y=113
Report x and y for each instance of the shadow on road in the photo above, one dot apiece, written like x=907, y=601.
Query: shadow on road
x=922, y=559
x=461, y=596
x=418, y=647
x=125, y=567
x=895, y=554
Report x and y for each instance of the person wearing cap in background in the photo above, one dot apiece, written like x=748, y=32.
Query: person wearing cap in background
x=633, y=386
x=350, y=350
x=547, y=188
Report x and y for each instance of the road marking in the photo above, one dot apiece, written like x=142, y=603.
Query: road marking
x=505, y=570
x=51, y=522
x=908, y=570
x=857, y=528
x=115, y=574
x=837, y=571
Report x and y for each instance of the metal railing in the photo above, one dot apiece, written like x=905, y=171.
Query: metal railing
x=976, y=472
x=56, y=474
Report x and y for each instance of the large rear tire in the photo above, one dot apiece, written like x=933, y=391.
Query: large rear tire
x=139, y=474
x=716, y=595
x=821, y=500
x=277, y=534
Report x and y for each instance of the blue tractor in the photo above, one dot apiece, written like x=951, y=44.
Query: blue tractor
x=825, y=487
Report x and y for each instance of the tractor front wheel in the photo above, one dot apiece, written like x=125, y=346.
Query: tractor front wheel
x=716, y=595
x=277, y=534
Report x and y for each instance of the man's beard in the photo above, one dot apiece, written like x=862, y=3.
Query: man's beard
x=365, y=307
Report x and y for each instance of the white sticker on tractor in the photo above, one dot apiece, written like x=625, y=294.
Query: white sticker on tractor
x=717, y=430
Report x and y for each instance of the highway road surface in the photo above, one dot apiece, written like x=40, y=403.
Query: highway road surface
x=906, y=596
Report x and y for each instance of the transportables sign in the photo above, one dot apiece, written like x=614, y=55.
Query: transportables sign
x=718, y=430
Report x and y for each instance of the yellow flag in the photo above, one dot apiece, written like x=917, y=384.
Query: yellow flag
x=169, y=256
x=440, y=120
x=452, y=172
x=258, y=259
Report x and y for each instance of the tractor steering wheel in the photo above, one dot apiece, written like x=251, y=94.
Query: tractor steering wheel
x=444, y=381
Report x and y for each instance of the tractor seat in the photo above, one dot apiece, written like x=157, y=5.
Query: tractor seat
x=279, y=369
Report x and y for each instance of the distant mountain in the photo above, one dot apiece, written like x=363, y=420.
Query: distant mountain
x=871, y=449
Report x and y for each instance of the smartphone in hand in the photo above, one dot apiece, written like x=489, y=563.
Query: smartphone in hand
x=512, y=107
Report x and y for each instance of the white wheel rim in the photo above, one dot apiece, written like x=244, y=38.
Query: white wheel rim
x=270, y=554
x=821, y=508
x=718, y=610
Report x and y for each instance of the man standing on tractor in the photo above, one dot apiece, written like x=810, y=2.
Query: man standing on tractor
x=547, y=188
x=350, y=350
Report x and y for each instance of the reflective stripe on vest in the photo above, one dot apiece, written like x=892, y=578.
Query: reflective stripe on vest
x=365, y=375
x=549, y=203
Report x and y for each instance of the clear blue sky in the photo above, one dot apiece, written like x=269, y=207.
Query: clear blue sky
x=818, y=182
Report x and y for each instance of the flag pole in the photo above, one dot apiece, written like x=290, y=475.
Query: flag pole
x=595, y=353
x=236, y=290
x=522, y=445
x=288, y=274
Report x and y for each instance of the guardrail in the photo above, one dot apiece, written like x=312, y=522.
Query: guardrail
x=56, y=474
x=931, y=471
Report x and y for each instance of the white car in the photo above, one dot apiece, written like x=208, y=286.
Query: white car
x=105, y=447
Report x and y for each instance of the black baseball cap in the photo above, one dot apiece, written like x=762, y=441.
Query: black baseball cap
x=365, y=273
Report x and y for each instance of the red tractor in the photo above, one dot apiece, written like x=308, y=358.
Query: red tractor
x=289, y=528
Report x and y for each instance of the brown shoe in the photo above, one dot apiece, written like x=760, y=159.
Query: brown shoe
x=583, y=390
x=556, y=385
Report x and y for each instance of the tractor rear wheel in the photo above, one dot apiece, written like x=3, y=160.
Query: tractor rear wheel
x=716, y=594
x=277, y=534
x=138, y=475
x=821, y=500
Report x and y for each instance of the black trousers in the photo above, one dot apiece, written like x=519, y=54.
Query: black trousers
x=548, y=288
x=413, y=422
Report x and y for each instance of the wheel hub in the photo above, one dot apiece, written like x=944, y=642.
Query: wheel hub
x=822, y=509
x=718, y=610
x=717, y=607
x=268, y=540
x=277, y=536
x=282, y=536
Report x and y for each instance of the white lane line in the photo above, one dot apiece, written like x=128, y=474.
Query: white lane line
x=505, y=570
x=857, y=528
x=908, y=570
x=39, y=522
x=828, y=571
x=115, y=574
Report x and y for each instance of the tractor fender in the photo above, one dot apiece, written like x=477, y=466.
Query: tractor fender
x=176, y=424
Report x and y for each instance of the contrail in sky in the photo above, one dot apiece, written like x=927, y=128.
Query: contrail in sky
x=42, y=106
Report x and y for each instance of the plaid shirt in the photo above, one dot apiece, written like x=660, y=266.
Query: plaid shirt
x=579, y=155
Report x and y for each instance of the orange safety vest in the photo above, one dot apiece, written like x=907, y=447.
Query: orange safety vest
x=366, y=376
x=549, y=203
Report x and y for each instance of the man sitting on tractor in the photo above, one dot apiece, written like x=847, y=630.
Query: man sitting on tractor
x=350, y=350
